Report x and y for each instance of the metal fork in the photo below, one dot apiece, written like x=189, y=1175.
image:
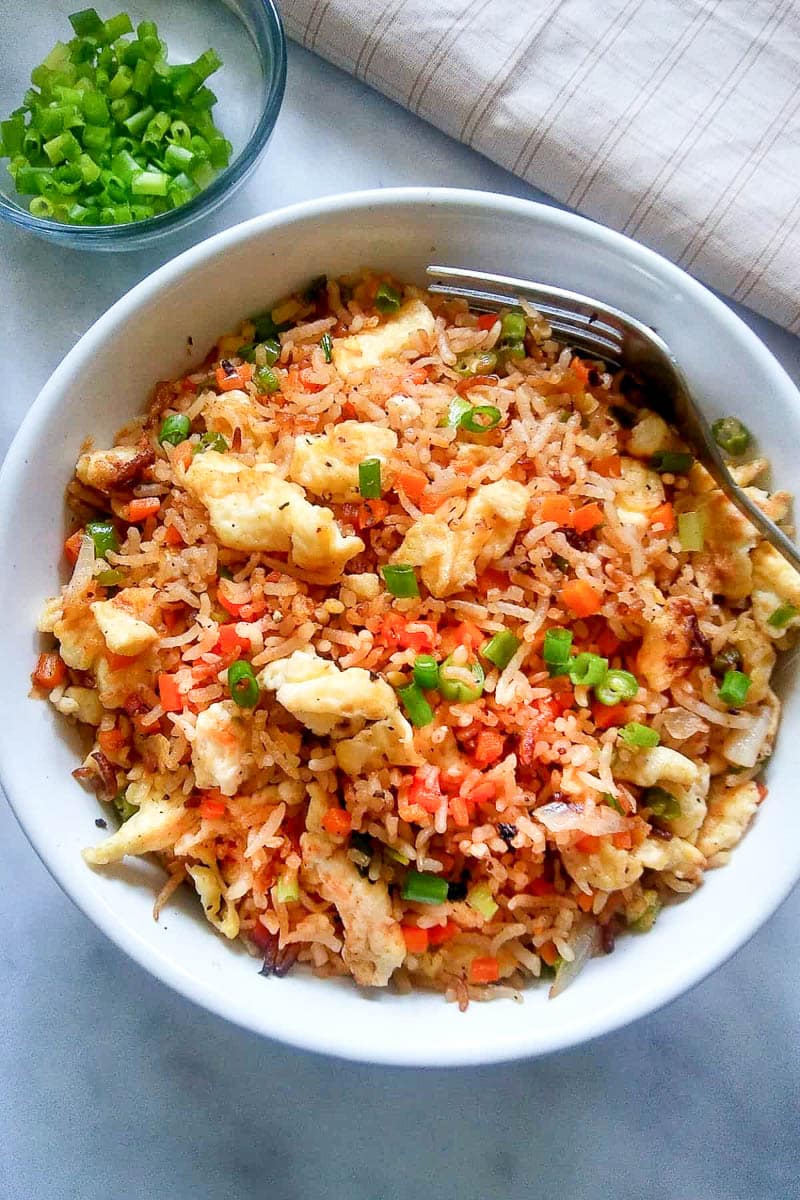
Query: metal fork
x=609, y=334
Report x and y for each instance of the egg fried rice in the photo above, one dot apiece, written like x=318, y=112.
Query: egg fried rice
x=416, y=644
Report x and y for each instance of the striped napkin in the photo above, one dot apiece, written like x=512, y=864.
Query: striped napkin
x=675, y=121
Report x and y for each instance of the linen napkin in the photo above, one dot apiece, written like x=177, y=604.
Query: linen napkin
x=675, y=121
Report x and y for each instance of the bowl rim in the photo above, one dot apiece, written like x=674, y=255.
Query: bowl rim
x=318, y=1036
x=116, y=237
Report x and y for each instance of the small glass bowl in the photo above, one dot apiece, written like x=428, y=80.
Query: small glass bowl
x=249, y=37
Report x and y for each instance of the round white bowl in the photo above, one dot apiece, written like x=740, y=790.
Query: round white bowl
x=107, y=377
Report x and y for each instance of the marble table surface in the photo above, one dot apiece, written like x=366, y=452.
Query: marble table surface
x=112, y=1086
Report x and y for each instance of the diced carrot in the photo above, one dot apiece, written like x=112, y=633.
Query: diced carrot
x=416, y=939
x=119, y=662
x=556, y=508
x=491, y=578
x=50, y=671
x=585, y=901
x=231, y=642
x=466, y=385
x=145, y=724
x=486, y=790
x=439, y=934
x=168, y=693
x=171, y=616
x=469, y=635
x=253, y=610
x=542, y=887
x=235, y=610
x=484, y=970
x=581, y=369
x=188, y=384
x=212, y=806
x=228, y=381
x=430, y=501
x=425, y=788
x=622, y=840
x=111, y=741
x=610, y=467
x=72, y=546
x=588, y=844
x=607, y=715
x=371, y=513
x=349, y=411
x=172, y=537
x=581, y=598
x=418, y=376
x=548, y=953
x=663, y=517
x=140, y=510
x=487, y=320
x=337, y=822
x=459, y=811
x=183, y=454
x=412, y=482
x=607, y=642
x=588, y=517
x=309, y=383
x=395, y=632
x=488, y=748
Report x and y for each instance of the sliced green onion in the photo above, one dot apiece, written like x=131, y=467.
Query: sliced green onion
x=110, y=578
x=387, y=298
x=476, y=362
x=480, y=899
x=326, y=342
x=734, y=688
x=212, y=441
x=673, y=462
x=634, y=734
x=266, y=380
x=369, y=478
x=501, y=648
x=418, y=711
x=587, y=670
x=690, y=531
x=456, y=690
x=116, y=27
x=617, y=686
x=646, y=920
x=513, y=327
x=174, y=429
x=426, y=671
x=86, y=23
x=514, y=350
x=613, y=802
x=150, y=183
x=287, y=889
x=731, y=435
x=401, y=580
x=395, y=855
x=123, y=806
x=481, y=418
x=782, y=615
x=104, y=536
x=422, y=888
x=557, y=647
x=64, y=147
x=242, y=684
x=661, y=803
x=455, y=411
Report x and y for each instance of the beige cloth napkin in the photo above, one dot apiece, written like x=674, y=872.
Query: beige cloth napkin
x=675, y=121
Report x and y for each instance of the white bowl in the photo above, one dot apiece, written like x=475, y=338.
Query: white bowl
x=107, y=377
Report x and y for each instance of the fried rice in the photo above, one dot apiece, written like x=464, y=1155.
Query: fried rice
x=416, y=644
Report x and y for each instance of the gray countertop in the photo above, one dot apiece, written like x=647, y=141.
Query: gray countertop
x=113, y=1086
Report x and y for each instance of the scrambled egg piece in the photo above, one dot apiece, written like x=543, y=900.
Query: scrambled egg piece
x=671, y=645
x=79, y=702
x=775, y=582
x=639, y=492
x=218, y=908
x=161, y=819
x=450, y=557
x=252, y=509
x=327, y=463
x=730, y=811
x=724, y=565
x=362, y=351
x=389, y=742
x=607, y=869
x=235, y=410
x=650, y=434
x=101, y=468
x=758, y=656
x=124, y=621
x=659, y=764
x=81, y=642
x=692, y=799
x=322, y=696
x=373, y=942
x=676, y=857
x=219, y=748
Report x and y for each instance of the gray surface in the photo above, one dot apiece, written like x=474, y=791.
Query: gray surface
x=112, y=1086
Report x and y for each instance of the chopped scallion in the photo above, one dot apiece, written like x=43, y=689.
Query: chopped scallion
x=387, y=298
x=401, y=580
x=690, y=531
x=456, y=689
x=423, y=888
x=104, y=536
x=174, y=429
x=731, y=435
x=242, y=684
x=426, y=671
x=661, y=803
x=480, y=899
x=673, y=462
x=501, y=648
x=369, y=478
x=417, y=708
x=734, y=688
x=326, y=342
x=481, y=418
x=587, y=670
x=616, y=687
x=557, y=647
x=640, y=736
x=782, y=615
